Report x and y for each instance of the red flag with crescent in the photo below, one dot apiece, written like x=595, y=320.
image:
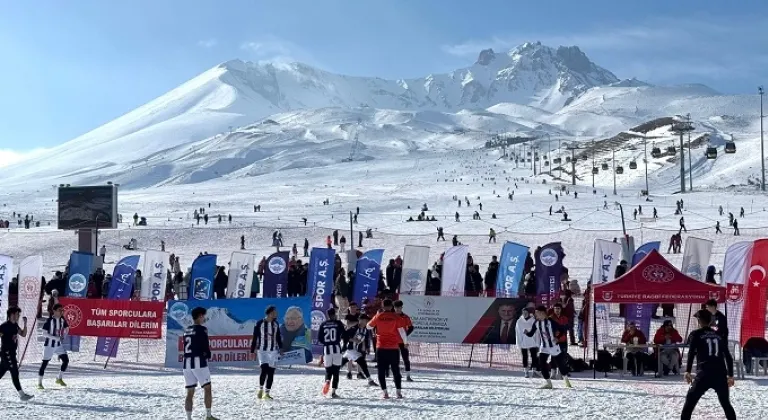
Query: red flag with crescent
x=755, y=289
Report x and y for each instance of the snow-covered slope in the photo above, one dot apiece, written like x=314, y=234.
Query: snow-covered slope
x=242, y=119
x=236, y=93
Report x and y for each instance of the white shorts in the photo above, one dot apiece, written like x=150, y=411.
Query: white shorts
x=333, y=359
x=352, y=355
x=268, y=357
x=197, y=376
x=49, y=352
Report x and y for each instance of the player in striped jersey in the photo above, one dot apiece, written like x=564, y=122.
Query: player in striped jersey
x=267, y=344
x=546, y=329
x=54, y=330
x=357, y=345
x=329, y=336
x=406, y=355
x=197, y=352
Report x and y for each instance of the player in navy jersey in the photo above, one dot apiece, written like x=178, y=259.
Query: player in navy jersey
x=267, y=344
x=714, y=369
x=357, y=345
x=329, y=336
x=54, y=330
x=9, y=339
x=197, y=352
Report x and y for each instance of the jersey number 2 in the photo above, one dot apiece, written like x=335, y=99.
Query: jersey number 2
x=714, y=347
x=187, y=344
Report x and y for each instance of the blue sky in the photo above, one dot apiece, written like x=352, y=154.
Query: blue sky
x=68, y=67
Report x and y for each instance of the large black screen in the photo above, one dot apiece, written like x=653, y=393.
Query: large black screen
x=92, y=207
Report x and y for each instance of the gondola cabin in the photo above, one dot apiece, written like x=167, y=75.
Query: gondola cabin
x=730, y=147
x=619, y=170
x=568, y=159
x=604, y=166
x=671, y=150
x=711, y=153
x=546, y=163
x=656, y=152
x=595, y=170
x=557, y=161
x=633, y=165
x=584, y=157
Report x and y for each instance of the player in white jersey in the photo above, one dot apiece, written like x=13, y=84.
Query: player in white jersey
x=267, y=344
x=54, y=331
x=330, y=334
x=546, y=328
x=197, y=352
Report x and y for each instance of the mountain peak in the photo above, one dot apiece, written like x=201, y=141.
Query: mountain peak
x=486, y=56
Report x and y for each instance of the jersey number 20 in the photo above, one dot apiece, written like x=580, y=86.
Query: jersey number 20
x=330, y=335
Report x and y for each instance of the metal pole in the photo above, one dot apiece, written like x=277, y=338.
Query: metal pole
x=573, y=166
x=623, y=225
x=560, y=152
x=614, y=175
x=690, y=165
x=351, y=233
x=682, y=164
x=593, y=164
x=549, y=153
x=645, y=153
x=762, y=145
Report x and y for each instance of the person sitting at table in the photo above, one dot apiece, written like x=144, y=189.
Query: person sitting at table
x=635, y=356
x=670, y=357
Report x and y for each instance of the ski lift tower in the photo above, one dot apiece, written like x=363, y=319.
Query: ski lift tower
x=680, y=126
x=573, y=148
x=355, y=145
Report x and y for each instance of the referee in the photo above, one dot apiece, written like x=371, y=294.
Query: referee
x=714, y=368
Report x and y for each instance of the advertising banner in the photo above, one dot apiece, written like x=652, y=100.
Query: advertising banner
x=80, y=264
x=448, y=319
x=549, y=268
x=240, y=275
x=511, y=269
x=30, y=286
x=415, y=267
x=367, y=271
x=230, y=324
x=114, y=318
x=203, y=270
x=640, y=313
x=454, y=277
x=320, y=282
x=120, y=288
x=276, y=275
x=604, y=262
x=153, y=284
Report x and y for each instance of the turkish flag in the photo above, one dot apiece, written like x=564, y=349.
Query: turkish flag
x=755, y=289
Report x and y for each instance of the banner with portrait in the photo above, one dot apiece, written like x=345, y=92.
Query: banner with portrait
x=448, y=319
x=230, y=324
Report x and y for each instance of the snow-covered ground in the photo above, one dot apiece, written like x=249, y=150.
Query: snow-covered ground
x=147, y=392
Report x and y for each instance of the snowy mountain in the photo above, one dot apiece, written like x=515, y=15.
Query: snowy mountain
x=242, y=119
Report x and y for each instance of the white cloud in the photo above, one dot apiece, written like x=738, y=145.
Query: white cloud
x=659, y=49
x=207, y=43
x=273, y=49
x=9, y=157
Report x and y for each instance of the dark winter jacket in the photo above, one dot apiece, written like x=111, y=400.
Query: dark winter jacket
x=491, y=275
